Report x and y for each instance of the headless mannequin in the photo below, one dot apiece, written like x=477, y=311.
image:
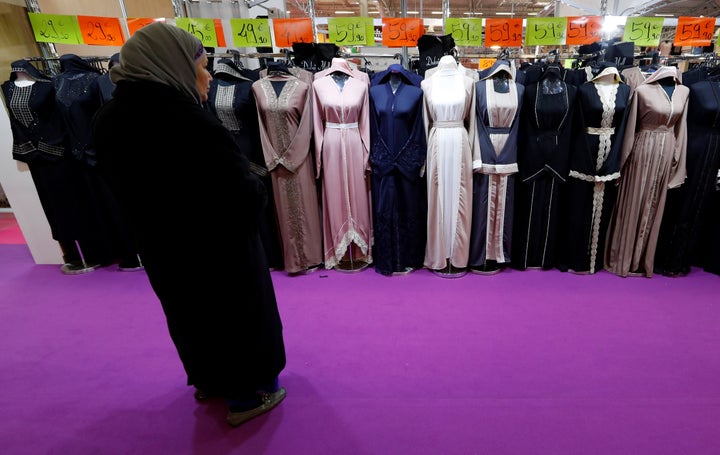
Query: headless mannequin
x=278, y=68
x=552, y=83
x=394, y=81
x=23, y=79
x=668, y=84
x=340, y=78
x=501, y=82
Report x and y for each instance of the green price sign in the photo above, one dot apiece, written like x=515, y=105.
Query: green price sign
x=251, y=32
x=55, y=28
x=203, y=29
x=347, y=31
x=643, y=31
x=465, y=31
x=545, y=31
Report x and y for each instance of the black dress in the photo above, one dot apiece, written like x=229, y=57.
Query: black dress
x=591, y=189
x=100, y=229
x=543, y=158
x=232, y=101
x=682, y=242
x=194, y=206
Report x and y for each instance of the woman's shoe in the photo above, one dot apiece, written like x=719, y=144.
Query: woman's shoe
x=201, y=395
x=269, y=401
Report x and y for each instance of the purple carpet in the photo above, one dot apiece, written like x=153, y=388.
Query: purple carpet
x=516, y=363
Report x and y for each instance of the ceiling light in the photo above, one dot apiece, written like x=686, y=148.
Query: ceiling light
x=436, y=12
x=664, y=15
x=471, y=13
x=344, y=12
x=413, y=12
x=500, y=13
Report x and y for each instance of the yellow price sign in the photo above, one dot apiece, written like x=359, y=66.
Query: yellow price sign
x=643, y=31
x=545, y=31
x=55, y=28
x=465, y=31
x=347, y=31
x=251, y=32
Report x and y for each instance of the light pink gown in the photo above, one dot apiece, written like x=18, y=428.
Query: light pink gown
x=285, y=132
x=342, y=146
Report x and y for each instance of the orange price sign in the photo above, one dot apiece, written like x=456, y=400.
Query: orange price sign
x=401, y=31
x=289, y=31
x=503, y=32
x=583, y=30
x=101, y=31
x=219, y=32
x=136, y=23
x=485, y=63
x=694, y=31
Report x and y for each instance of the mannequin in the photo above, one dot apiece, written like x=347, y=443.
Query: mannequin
x=501, y=82
x=449, y=116
x=285, y=125
x=395, y=80
x=232, y=100
x=601, y=115
x=22, y=79
x=494, y=165
x=654, y=156
x=341, y=130
x=397, y=156
x=545, y=132
x=552, y=82
x=668, y=85
x=340, y=78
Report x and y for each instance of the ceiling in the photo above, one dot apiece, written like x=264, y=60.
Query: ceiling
x=432, y=9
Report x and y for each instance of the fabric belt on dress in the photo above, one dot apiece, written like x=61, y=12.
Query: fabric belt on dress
x=599, y=131
x=341, y=126
x=498, y=130
x=449, y=124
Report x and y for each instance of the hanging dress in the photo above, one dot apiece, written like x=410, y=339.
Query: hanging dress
x=285, y=121
x=543, y=157
x=681, y=243
x=232, y=101
x=601, y=113
x=449, y=118
x=397, y=156
x=653, y=160
x=495, y=167
x=342, y=147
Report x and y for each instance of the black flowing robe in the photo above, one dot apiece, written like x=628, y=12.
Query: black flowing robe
x=232, y=101
x=680, y=244
x=194, y=206
x=397, y=155
x=100, y=228
x=591, y=189
x=543, y=159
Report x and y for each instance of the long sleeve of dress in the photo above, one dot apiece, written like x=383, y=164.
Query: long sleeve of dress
x=678, y=170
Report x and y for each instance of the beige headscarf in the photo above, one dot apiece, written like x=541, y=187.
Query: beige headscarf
x=161, y=53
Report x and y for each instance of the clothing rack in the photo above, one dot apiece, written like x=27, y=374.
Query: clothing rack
x=50, y=66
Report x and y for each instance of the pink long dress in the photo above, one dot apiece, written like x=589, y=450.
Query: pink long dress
x=342, y=146
x=285, y=131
